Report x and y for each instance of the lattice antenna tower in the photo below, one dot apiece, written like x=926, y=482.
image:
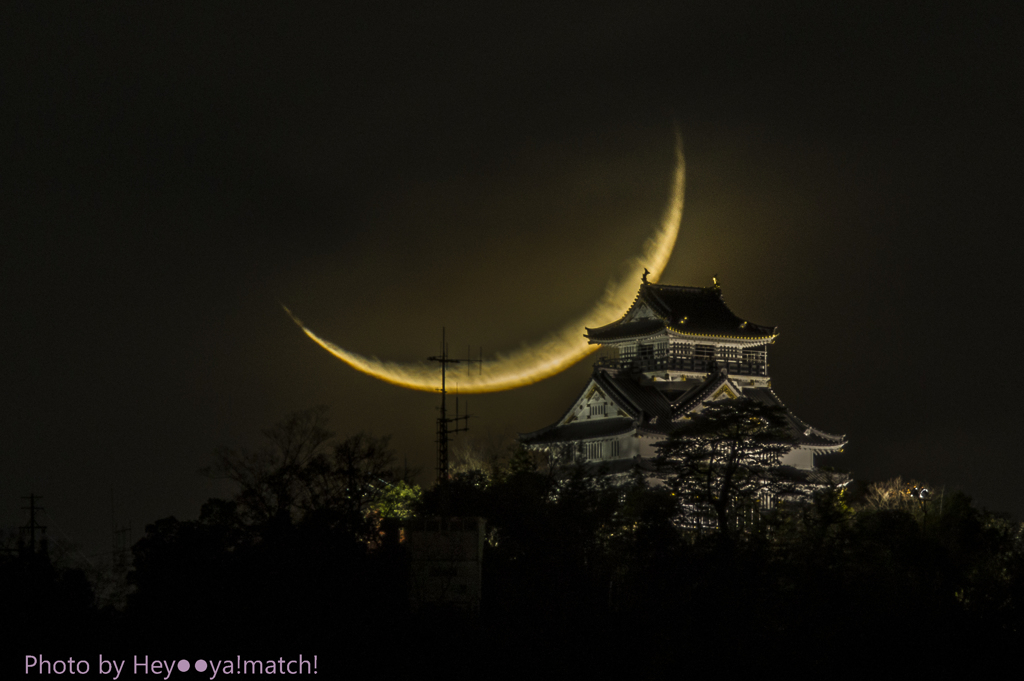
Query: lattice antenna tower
x=448, y=426
x=32, y=524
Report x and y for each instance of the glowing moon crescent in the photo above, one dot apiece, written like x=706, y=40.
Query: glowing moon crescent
x=558, y=351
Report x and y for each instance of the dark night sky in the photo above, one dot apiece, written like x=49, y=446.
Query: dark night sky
x=173, y=172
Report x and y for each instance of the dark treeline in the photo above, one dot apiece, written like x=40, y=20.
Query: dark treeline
x=580, y=571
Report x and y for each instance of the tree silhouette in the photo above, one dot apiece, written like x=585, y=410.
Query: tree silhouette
x=271, y=479
x=302, y=539
x=301, y=476
x=724, y=464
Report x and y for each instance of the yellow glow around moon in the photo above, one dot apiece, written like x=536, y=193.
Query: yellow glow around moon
x=558, y=351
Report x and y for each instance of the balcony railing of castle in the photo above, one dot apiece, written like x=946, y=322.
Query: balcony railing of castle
x=694, y=364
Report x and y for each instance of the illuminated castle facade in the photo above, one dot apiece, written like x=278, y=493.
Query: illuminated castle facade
x=676, y=349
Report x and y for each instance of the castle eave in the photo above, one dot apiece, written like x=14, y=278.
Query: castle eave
x=683, y=309
x=578, y=431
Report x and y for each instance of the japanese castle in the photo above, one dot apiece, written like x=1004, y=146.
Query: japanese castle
x=676, y=349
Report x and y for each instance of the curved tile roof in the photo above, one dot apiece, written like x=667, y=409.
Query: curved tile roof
x=687, y=310
x=653, y=413
x=805, y=435
x=581, y=430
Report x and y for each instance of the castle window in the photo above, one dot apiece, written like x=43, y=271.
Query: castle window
x=603, y=449
x=646, y=352
x=704, y=351
x=597, y=409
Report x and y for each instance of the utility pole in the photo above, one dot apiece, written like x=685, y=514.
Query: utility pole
x=32, y=524
x=446, y=427
x=122, y=536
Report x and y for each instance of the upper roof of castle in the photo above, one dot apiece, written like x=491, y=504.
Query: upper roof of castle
x=686, y=310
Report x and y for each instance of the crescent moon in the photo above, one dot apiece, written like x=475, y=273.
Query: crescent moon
x=558, y=351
